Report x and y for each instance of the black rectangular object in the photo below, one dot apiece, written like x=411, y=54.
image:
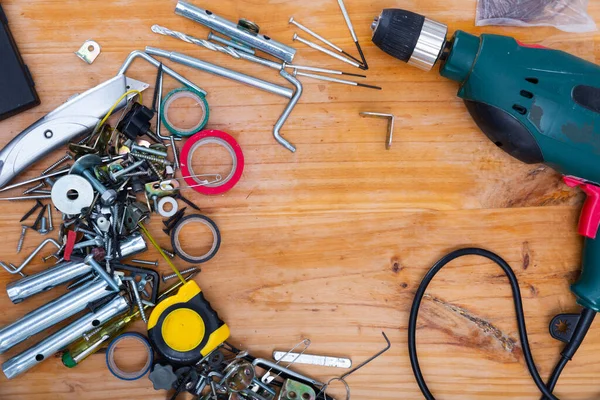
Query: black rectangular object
x=17, y=90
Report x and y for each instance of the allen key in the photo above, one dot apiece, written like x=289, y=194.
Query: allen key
x=391, y=119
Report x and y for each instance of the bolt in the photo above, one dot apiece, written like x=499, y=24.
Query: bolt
x=67, y=157
x=84, y=166
x=36, y=187
x=146, y=262
x=141, y=149
x=21, y=238
x=50, y=224
x=116, y=175
x=166, y=278
x=136, y=295
x=148, y=157
x=98, y=242
x=44, y=226
x=138, y=173
x=89, y=260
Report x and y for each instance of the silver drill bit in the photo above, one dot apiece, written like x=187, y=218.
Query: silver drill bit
x=326, y=51
x=193, y=40
x=353, y=33
x=321, y=70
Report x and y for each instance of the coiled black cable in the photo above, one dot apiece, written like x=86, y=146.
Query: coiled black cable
x=583, y=326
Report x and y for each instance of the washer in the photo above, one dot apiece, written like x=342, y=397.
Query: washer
x=72, y=193
x=174, y=207
x=212, y=137
x=195, y=219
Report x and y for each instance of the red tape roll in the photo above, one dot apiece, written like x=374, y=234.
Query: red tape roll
x=219, y=137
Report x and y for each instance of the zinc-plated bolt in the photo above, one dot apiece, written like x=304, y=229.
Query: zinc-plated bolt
x=146, y=262
x=124, y=171
x=89, y=260
x=138, y=299
x=148, y=157
x=57, y=163
x=98, y=242
x=141, y=149
x=36, y=187
x=44, y=226
x=50, y=224
x=22, y=238
x=166, y=278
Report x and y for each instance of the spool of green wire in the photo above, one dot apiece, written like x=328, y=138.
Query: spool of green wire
x=174, y=95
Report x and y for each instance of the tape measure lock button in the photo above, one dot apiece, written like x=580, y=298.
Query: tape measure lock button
x=183, y=329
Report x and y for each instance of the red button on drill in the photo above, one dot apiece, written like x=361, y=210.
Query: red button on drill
x=590, y=214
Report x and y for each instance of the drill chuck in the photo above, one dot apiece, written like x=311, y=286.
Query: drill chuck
x=410, y=37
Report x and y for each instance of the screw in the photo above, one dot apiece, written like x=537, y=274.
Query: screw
x=146, y=262
x=168, y=253
x=141, y=149
x=138, y=299
x=28, y=214
x=36, y=187
x=166, y=278
x=57, y=163
x=21, y=238
x=50, y=224
x=156, y=171
x=43, y=226
x=138, y=173
x=148, y=157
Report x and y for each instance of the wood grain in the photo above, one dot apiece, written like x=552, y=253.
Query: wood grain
x=331, y=242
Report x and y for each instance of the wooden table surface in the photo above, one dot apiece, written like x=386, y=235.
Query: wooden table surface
x=331, y=242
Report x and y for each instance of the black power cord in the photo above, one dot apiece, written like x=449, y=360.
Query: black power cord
x=585, y=321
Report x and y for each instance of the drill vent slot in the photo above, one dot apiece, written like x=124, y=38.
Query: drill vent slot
x=527, y=94
x=520, y=109
x=535, y=81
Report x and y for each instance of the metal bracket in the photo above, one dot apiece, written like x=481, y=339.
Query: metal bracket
x=391, y=120
x=89, y=51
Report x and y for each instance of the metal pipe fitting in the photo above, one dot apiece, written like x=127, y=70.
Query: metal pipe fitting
x=288, y=110
x=234, y=31
x=64, y=337
x=221, y=71
x=51, y=314
x=140, y=54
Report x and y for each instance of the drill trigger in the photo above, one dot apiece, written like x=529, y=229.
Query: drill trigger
x=589, y=221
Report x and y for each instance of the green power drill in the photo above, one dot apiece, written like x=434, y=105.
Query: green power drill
x=537, y=104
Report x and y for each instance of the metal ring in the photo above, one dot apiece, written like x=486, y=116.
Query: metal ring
x=176, y=243
x=161, y=207
x=110, y=357
x=71, y=193
x=212, y=137
x=184, y=92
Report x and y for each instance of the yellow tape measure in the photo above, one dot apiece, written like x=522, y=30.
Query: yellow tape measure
x=184, y=328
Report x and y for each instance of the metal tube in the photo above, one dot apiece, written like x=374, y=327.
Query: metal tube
x=230, y=43
x=223, y=72
x=51, y=314
x=230, y=29
x=315, y=35
x=326, y=51
x=57, y=275
x=66, y=272
x=288, y=110
x=61, y=339
x=136, y=53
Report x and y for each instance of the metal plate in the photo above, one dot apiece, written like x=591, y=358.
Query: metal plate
x=89, y=51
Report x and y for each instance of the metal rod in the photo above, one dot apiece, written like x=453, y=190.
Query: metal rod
x=64, y=337
x=321, y=70
x=230, y=43
x=221, y=71
x=140, y=54
x=39, y=178
x=315, y=35
x=51, y=314
x=110, y=280
x=326, y=51
x=288, y=110
x=232, y=30
x=335, y=80
x=353, y=33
